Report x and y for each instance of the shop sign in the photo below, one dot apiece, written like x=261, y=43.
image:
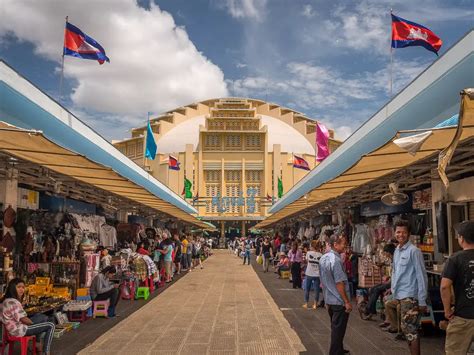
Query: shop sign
x=28, y=199
x=224, y=204
x=422, y=199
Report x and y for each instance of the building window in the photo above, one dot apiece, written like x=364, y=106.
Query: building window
x=212, y=142
x=253, y=180
x=212, y=180
x=253, y=142
x=233, y=188
x=131, y=150
x=140, y=148
x=233, y=142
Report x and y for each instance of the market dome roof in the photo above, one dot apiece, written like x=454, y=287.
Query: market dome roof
x=279, y=132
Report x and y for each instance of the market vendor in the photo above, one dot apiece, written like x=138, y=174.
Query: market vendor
x=102, y=288
x=17, y=322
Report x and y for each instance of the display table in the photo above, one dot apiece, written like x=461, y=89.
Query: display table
x=53, y=307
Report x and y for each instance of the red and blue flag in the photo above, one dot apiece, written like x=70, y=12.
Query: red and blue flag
x=78, y=44
x=173, y=163
x=300, y=163
x=406, y=33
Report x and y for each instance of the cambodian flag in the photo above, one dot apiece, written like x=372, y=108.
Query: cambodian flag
x=300, y=163
x=173, y=163
x=80, y=45
x=406, y=33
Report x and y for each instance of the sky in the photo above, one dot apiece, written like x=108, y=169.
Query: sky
x=327, y=59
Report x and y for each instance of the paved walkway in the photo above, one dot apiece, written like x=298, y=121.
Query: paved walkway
x=222, y=309
x=362, y=337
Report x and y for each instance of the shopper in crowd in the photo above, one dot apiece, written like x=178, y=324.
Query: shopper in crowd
x=378, y=290
x=167, y=257
x=189, y=252
x=247, y=247
x=313, y=257
x=276, y=243
x=197, y=253
x=177, y=253
x=296, y=258
x=283, y=264
x=16, y=321
x=102, y=288
x=266, y=252
x=409, y=287
x=142, y=250
x=184, y=249
x=459, y=274
x=336, y=292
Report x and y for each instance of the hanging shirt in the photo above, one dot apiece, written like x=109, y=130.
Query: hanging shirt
x=108, y=236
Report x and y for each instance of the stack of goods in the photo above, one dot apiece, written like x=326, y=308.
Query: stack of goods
x=42, y=296
x=370, y=274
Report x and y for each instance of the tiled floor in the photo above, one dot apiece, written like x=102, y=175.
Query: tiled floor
x=222, y=309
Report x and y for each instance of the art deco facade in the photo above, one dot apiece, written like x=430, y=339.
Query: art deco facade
x=233, y=151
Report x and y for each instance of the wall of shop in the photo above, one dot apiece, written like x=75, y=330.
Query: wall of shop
x=460, y=191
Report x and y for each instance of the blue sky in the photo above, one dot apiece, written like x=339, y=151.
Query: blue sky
x=328, y=60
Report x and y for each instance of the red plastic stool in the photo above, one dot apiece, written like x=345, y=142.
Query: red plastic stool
x=151, y=284
x=9, y=340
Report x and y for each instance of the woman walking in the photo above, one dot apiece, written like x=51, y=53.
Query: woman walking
x=296, y=257
x=266, y=252
x=312, y=273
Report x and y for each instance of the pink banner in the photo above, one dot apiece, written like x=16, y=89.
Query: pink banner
x=322, y=142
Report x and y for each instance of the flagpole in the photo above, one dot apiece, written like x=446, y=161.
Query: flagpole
x=391, y=60
x=146, y=138
x=61, y=78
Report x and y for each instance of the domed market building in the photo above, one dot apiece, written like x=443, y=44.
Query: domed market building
x=231, y=157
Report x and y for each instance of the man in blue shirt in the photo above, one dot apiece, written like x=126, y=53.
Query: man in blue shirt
x=409, y=287
x=336, y=292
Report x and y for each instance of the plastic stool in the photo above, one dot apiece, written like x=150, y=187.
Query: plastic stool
x=100, y=309
x=127, y=295
x=8, y=340
x=143, y=292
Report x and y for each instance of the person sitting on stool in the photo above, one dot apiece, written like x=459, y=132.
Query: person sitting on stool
x=103, y=289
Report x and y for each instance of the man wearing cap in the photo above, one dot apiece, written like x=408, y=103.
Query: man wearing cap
x=336, y=292
x=459, y=274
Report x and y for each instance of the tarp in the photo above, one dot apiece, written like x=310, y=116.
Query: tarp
x=387, y=159
x=36, y=148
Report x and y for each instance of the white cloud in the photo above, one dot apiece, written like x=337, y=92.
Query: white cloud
x=154, y=65
x=308, y=11
x=243, y=9
x=330, y=95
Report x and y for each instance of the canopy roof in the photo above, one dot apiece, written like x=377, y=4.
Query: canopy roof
x=68, y=146
x=425, y=102
x=383, y=161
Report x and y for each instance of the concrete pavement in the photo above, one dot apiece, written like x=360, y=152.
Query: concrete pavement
x=222, y=309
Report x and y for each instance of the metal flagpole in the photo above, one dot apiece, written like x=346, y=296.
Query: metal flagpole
x=391, y=60
x=61, y=78
x=146, y=138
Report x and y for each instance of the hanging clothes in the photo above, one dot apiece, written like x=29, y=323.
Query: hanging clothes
x=361, y=238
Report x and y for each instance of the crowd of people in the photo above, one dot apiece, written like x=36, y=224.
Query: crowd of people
x=325, y=266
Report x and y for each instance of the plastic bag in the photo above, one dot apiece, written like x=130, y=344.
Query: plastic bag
x=259, y=260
